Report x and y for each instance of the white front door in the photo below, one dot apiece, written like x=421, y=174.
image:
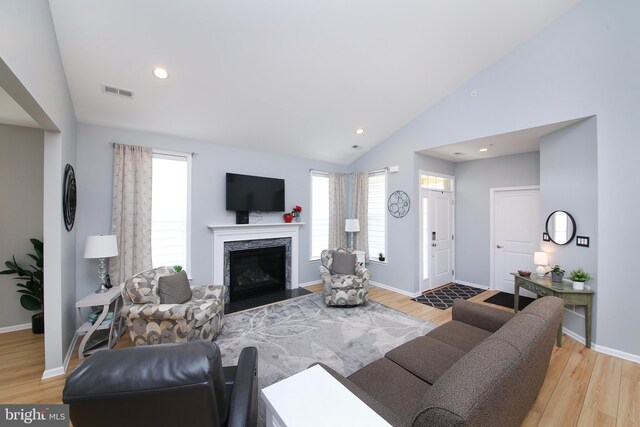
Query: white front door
x=516, y=234
x=440, y=237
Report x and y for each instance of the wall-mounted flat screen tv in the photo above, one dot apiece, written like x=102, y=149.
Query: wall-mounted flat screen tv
x=254, y=193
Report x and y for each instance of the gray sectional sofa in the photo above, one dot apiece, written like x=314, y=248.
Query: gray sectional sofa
x=483, y=368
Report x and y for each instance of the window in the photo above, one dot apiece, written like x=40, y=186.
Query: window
x=170, y=210
x=319, y=213
x=435, y=182
x=377, y=214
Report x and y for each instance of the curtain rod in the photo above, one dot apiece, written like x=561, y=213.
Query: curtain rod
x=193, y=153
x=386, y=168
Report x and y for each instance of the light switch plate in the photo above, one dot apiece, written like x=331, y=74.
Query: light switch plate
x=582, y=241
x=545, y=237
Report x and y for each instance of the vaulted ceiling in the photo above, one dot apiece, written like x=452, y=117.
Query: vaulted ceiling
x=290, y=76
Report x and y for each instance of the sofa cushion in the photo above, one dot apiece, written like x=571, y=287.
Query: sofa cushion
x=459, y=335
x=143, y=287
x=392, y=386
x=343, y=263
x=425, y=357
x=174, y=288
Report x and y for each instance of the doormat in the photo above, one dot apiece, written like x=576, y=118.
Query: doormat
x=506, y=300
x=443, y=298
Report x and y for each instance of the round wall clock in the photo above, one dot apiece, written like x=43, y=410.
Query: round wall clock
x=69, y=197
x=399, y=204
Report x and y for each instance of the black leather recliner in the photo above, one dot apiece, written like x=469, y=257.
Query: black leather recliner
x=164, y=385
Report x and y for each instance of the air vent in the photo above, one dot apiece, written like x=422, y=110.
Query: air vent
x=458, y=153
x=356, y=146
x=116, y=91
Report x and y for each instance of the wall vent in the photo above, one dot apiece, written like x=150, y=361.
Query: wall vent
x=117, y=91
x=458, y=153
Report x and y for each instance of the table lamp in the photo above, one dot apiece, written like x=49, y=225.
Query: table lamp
x=352, y=225
x=101, y=247
x=541, y=260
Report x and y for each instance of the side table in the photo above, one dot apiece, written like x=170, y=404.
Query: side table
x=359, y=257
x=545, y=287
x=313, y=398
x=106, y=300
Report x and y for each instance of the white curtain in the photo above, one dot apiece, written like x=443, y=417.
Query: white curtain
x=359, y=206
x=337, y=190
x=131, y=213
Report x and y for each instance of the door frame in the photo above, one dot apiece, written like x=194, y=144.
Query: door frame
x=492, y=194
x=420, y=225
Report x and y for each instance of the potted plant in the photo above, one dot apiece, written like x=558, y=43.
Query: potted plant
x=381, y=257
x=578, y=277
x=30, y=285
x=556, y=274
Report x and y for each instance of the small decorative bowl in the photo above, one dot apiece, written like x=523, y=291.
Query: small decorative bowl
x=524, y=273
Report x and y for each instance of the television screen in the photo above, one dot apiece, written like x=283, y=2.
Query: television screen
x=254, y=193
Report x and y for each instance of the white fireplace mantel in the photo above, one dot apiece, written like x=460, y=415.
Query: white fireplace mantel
x=237, y=232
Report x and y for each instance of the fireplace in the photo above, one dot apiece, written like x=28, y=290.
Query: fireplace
x=261, y=260
x=256, y=271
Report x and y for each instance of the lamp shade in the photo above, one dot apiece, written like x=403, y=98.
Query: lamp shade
x=540, y=258
x=101, y=246
x=352, y=225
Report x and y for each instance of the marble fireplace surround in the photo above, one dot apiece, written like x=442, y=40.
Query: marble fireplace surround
x=230, y=236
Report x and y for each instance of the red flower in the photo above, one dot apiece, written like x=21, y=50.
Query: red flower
x=298, y=209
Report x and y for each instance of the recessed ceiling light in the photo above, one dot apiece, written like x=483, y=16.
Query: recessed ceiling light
x=160, y=73
x=482, y=150
x=360, y=131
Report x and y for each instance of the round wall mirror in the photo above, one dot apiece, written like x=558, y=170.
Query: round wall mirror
x=561, y=227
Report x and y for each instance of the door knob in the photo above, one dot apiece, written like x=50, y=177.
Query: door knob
x=499, y=246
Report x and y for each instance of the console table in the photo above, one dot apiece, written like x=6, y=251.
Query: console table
x=545, y=287
x=313, y=398
x=110, y=301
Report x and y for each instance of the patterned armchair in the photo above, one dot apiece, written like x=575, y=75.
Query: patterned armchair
x=150, y=322
x=343, y=289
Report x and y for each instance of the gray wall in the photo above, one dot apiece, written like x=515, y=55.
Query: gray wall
x=583, y=64
x=95, y=172
x=569, y=181
x=473, y=181
x=28, y=47
x=21, y=175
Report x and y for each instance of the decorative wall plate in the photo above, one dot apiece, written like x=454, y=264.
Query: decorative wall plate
x=69, y=197
x=399, y=204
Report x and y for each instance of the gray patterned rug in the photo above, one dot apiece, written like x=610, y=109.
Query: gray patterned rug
x=293, y=334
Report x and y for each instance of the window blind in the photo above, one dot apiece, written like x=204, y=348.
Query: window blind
x=319, y=213
x=377, y=214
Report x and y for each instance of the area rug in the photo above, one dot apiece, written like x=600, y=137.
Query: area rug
x=294, y=334
x=443, y=298
x=506, y=300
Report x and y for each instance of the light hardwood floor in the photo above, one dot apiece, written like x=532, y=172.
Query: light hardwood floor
x=582, y=387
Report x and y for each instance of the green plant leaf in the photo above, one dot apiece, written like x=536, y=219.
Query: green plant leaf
x=29, y=302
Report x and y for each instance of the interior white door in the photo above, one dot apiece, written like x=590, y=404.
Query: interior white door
x=440, y=237
x=516, y=224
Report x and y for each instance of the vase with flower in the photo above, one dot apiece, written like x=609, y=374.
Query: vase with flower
x=296, y=212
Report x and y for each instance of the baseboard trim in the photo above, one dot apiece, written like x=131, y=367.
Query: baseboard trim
x=15, y=328
x=617, y=353
x=391, y=288
x=314, y=282
x=55, y=372
x=473, y=285
x=61, y=370
x=602, y=349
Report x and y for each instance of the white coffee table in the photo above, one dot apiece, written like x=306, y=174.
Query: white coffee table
x=314, y=398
